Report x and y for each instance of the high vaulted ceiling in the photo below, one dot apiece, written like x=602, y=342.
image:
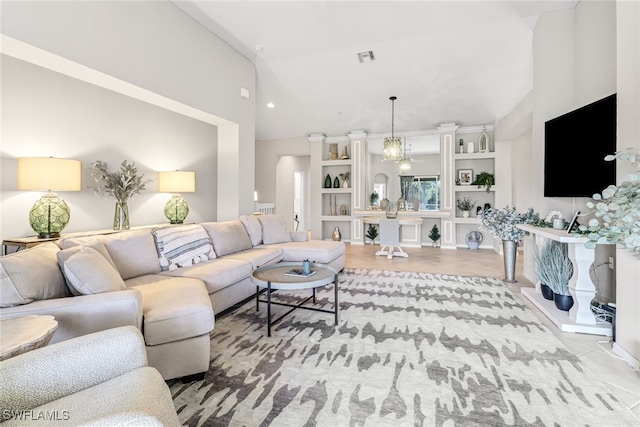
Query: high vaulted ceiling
x=458, y=62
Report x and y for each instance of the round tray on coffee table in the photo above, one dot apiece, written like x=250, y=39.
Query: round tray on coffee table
x=274, y=277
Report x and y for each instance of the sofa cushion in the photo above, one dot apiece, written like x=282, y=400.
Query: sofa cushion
x=133, y=253
x=31, y=275
x=174, y=310
x=253, y=227
x=274, y=229
x=73, y=248
x=259, y=256
x=228, y=237
x=216, y=274
x=182, y=246
x=322, y=251
x=88, y=272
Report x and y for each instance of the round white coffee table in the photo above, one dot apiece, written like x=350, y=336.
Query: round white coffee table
x=22, y=334
x=273, y=277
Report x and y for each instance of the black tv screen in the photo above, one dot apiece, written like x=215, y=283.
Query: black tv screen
x=575, y=145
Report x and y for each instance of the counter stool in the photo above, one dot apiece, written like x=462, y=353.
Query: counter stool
x=390, y=239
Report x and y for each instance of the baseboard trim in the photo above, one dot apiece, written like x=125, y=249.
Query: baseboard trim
x=632, y=361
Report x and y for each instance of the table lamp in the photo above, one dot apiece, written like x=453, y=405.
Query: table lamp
x=50, y=214
x=176, y=209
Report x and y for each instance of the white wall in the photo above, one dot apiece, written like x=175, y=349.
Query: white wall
x=285, y=169
x=628, y=87
x=49, y=114
x=157, y=47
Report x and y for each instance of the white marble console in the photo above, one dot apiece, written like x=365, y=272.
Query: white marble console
x=580, y=318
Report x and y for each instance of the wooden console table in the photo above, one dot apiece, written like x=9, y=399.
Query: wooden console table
x=31, y=241
x=580, y=318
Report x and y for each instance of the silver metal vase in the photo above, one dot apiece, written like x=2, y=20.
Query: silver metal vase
x=509, y=251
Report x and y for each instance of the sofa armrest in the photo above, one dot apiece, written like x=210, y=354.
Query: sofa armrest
x=299, y=236
x=50, y=373
x=85, y=314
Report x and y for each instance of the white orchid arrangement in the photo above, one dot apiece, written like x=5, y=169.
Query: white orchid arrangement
x=617, y=209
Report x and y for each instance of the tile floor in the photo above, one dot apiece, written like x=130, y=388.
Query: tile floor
x=594, y=351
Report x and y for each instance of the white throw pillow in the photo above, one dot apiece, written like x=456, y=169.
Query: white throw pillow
x=95, y=245
x=88, y=272
x=253, y=227
x=274, y=229
x=182, y=246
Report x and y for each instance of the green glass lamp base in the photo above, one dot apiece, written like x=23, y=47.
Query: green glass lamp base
x=176, y=209
x=49, y=216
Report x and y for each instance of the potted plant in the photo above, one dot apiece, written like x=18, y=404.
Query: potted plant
x=503, y=224
x=617, y=210
x=434, y=235
x=465, y=205
x=554, y=270
x=345, y=177
x=372, y=232
x=484, y=179
x=373, y=199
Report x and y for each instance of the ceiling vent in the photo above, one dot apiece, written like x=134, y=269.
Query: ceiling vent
x=366, y=56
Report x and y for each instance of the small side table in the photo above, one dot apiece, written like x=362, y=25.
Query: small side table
x=22, y=334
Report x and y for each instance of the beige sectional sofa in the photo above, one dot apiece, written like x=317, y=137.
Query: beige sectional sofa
x=168, y=281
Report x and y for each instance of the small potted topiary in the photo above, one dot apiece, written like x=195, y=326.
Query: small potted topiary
x=434, y=235
x=465, y=205
x=373, y=200
x=372, y=232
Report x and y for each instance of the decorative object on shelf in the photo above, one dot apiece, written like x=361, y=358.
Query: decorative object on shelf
x=487, y=206
x=122, y=185
x=470, y=147
x=502, y=223
x=546, y=291
x=333, y=208
x=401, y=204
x=373, y=199
x=474, y=239
x=483, y=141
x=327, y=181
x=415, y=204
x=478, y=209
x=484, y=179
x=465, y=205
x=50, y=214
x=384, y=203
x=461, y=146
x=176, y=209
x=392, y=147
x=372, y=233
x=333, y=151
x=345, y=176
x=336, y=235
x=554, y=269
x=558, y=223
x=617, y=210
x=344, y=210
x=306, y=267
x=465, y=176
x=345, y=154
x=392, y=210
x=336, y=182
x=434, y=235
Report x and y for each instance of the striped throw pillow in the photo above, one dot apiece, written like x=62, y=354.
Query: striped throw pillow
x=182, y=246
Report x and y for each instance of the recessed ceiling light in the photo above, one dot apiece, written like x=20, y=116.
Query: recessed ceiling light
x=271, y=105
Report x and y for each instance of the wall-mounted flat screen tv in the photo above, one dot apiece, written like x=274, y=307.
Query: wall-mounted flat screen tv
x=575, y=145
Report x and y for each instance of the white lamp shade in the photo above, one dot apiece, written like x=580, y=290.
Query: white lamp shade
x=49, y=174
x=176, y=182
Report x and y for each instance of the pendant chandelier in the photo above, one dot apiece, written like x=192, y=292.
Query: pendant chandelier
x=405, y=161
x=392, y=147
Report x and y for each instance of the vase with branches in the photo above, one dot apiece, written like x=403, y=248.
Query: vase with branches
x=465, y=205
x=121, y=185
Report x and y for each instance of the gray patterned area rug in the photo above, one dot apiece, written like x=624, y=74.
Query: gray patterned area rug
x=411, y=349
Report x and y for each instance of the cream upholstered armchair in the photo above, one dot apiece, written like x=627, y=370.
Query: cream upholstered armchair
x=96, y=379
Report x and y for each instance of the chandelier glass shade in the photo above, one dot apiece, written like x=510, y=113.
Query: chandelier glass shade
x=392, y=147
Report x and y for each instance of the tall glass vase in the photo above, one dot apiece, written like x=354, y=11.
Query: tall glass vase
x=509, y=251
x=121, y=215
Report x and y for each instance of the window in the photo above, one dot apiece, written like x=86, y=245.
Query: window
x=427, y=190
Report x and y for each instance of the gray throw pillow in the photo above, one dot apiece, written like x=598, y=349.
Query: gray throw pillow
x=274, y=229
x=88, y=272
